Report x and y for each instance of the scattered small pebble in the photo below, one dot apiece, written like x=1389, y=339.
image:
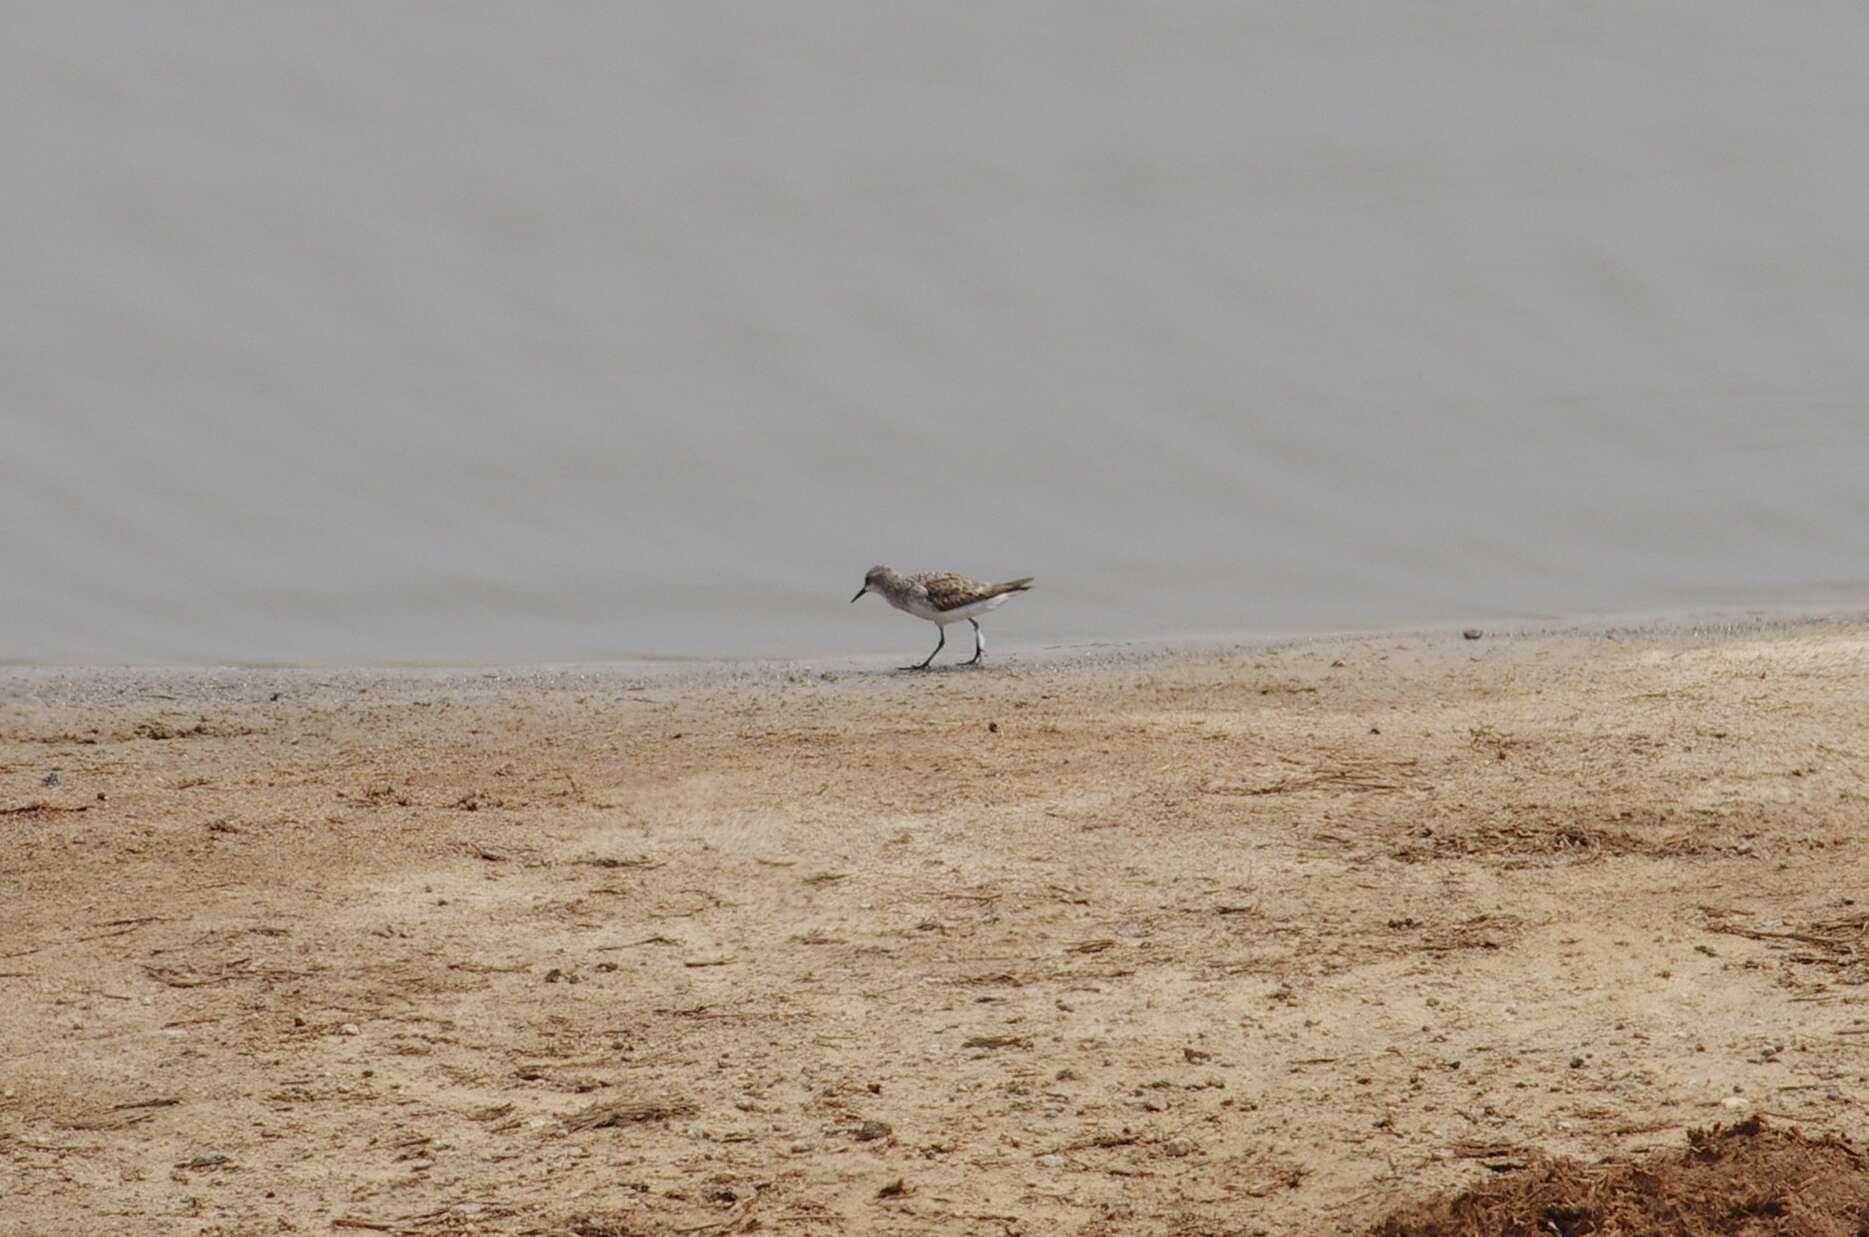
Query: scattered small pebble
x=1473, y=633
x=870, y=1131
x=349, y=1028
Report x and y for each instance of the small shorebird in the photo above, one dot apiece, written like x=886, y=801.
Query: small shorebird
x=941, y=597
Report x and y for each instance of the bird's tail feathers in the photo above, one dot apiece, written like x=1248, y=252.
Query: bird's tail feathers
x=1011, y=586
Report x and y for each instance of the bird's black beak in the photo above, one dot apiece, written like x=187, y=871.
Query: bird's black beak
x=860, y=592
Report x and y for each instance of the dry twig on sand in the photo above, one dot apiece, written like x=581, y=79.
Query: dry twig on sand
x=603, y=1116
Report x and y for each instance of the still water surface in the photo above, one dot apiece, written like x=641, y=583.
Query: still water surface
x=481, y=332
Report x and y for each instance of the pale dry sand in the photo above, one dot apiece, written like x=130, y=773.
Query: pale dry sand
x=1259, y=940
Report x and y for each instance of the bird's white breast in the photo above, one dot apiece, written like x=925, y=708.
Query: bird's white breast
x=919, y=607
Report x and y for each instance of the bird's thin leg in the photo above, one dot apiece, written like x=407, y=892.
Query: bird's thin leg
x=979, y=644
x=938, y=647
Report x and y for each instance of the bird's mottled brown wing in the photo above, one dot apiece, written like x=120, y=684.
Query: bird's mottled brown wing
x=947, y=591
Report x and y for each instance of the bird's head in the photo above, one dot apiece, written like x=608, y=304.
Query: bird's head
x=872, y=579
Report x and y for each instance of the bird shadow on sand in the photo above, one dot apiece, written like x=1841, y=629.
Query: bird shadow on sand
x=911, y=672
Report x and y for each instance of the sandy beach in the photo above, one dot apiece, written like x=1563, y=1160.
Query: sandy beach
x=1245, y=940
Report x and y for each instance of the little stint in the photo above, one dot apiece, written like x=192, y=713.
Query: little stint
x=941, y=597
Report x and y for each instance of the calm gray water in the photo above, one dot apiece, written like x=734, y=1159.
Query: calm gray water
x=552, y=332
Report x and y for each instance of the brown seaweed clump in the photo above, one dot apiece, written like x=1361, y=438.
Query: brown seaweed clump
x=1743, y=1180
